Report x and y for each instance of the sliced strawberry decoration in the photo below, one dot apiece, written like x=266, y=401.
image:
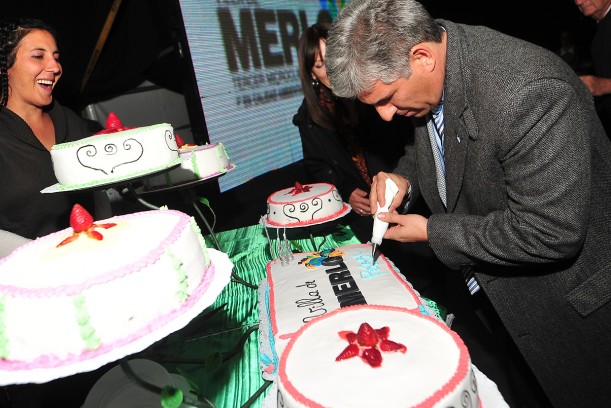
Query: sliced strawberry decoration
x=368, y=343
x=347, y=335
x=113, y=122
x=179, y=142
x=366, y=336
x=383, y=332
x=389, y=345
x=351, y=351
x=372, y=356
x=80, y=219
x=82, y=222
x=95, y=235
x=113, y=125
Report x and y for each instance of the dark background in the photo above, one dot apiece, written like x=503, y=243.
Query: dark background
x=146, y=34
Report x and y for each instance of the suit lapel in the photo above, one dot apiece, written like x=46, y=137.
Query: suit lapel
x=427, y=175
x=460, y=124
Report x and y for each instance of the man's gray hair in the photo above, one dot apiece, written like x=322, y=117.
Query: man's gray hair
x=371, y=40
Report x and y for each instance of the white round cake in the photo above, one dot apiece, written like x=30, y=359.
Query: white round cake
x=425, y=364
x=198, y=162
x=304, y=205
x=109, y=157
x=81, y=297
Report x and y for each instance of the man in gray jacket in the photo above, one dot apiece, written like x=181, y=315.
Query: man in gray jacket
x=512, y=160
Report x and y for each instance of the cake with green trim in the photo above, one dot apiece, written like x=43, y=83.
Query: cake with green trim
x=76, y=299
x=198, y=162
x=114, y=154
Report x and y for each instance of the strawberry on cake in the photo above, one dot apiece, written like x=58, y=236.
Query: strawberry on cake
x=79, y=298
x=305, y=204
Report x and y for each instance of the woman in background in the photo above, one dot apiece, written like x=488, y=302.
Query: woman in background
x=30, y=123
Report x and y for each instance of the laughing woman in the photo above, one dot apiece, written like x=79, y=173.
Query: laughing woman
x=31, y=121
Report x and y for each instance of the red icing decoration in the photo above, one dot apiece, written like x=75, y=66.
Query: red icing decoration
x=368, y=344
x=299, y=188
x=82, y=223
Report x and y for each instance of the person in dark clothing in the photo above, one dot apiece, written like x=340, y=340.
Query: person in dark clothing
x=515, y=166
x=345, y=143
x=31, y=121
x=599, y=84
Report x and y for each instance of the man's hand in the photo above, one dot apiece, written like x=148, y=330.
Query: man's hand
x=378, y=189
x=408, y=228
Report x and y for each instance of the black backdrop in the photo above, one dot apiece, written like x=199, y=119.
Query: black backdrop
x=144, y=39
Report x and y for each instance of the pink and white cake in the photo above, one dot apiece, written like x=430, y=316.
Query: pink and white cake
x=114, y=154
x=76, y=299
x=316, y=283
x=304, y=205
x=198, y=162
x=376, y=356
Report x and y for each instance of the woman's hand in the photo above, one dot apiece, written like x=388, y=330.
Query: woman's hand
x=359, y=202
x=408, y=228
x=378, y=189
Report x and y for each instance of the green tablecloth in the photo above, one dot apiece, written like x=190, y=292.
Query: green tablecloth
x=218, y=353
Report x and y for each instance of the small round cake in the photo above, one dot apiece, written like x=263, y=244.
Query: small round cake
x=304, y=205
x=376, y=356
x=87, y=295
x=114, y=154
x=198, y=162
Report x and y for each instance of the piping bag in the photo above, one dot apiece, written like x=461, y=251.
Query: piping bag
x=379, y=226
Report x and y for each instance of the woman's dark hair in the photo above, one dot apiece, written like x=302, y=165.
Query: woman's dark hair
x=309, y=47
x=12, y=32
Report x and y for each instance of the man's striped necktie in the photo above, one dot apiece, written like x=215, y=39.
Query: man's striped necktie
x=439, y=154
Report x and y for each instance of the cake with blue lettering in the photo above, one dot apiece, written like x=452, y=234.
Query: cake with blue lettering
x=316, y=283
x=93, y=293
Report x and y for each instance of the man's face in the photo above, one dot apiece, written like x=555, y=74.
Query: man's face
x=593, y=8
x=412, y=97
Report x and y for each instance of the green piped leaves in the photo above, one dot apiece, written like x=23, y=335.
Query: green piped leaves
x=3, y=340
x=83, y=320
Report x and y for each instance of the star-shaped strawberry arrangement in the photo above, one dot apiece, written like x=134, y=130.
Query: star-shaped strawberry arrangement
x=368, y=344
x=299, y=188
x=82, y=223
x=113, y=125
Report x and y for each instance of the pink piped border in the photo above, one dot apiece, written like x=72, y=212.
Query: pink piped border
x=49, y=362
x=459, y=375
x=71, y=290
x=286, y=190
x=341, y=212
